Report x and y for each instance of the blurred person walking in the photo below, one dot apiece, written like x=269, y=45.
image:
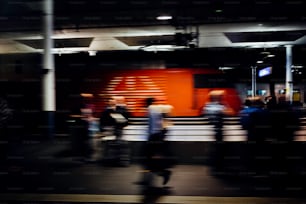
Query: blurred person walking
x=284, y=121
x=79, y=132
x=94, y=142
x=123, y=113
x=255, y=119
x=6, y=114
x=112, y=121
x=107, y=122
x=215, y=110
x=115, y=117
x=157, y=151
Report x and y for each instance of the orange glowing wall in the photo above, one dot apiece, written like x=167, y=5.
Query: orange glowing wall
x=168, y=86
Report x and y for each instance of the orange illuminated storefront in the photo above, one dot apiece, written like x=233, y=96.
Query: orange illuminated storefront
x=185, y=89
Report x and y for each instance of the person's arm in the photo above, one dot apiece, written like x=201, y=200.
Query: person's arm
x=104, y=120
x=5, y=112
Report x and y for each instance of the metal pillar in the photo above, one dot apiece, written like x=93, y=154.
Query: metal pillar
x=289, y=79
x=48, y=78
x=253, y=81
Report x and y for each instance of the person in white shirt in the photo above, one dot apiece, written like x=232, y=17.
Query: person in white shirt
x=156, y=148
x=214, y=110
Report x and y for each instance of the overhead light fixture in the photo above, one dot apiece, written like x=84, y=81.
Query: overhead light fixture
x=265, y=53
x=155, y=48
x=92, y=52
x=86, y=95
x=297, y=66
x=271, y=55
x=225, y=68
x=164, y=17
x=263, y=44
x=259, y=62
x=64, y=51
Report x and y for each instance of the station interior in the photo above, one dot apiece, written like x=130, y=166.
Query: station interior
x=63, y=60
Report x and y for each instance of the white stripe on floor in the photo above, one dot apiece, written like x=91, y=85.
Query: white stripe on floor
x=90, y=198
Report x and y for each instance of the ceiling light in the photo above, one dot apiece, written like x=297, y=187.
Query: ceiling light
x=92, y=52
x=64, y=51
x=225, y=68
x=164, y=17
x=86, y=95
x=156, y=48
x=297, y=66
x=259, y=62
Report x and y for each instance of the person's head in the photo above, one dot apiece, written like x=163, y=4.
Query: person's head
x=216, y=96
x=111, y=103
x=86, y=112
x=149, y=101
x=76, y=109
x=256, y=102
x=120, y=100
x=247, y=102
x=271, y=102
x=166, y=109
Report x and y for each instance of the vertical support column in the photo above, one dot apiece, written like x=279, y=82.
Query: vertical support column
x=48, y=78
x=289, y=79
x=253, y=81
x=272, y=88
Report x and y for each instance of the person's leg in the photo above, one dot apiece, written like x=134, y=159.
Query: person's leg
x=118, y=133
x=166, y=174
x=146, y=179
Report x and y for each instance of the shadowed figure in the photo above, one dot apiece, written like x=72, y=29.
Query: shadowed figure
x=112, y=121
x=215, y=110
x=156, y=151
x=122, y=110
x=79, y=133
x=270, y=131
x=255, y=119
x=115, y=117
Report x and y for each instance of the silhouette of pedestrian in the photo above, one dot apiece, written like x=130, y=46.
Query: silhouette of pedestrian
x=156, y=150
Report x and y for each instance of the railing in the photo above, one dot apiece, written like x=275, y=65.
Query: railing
x=194, y=129
x=198, y=129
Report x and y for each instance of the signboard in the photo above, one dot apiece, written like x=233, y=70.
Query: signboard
x=265, y=71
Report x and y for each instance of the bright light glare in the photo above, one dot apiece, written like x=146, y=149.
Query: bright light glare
x=225, y=68
x=163, y=18
x=162, y=48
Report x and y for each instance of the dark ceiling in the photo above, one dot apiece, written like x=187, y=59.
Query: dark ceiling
x=22, y=16
x=26, y=15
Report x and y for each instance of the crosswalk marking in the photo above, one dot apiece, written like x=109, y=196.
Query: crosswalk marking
x=91, y=198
